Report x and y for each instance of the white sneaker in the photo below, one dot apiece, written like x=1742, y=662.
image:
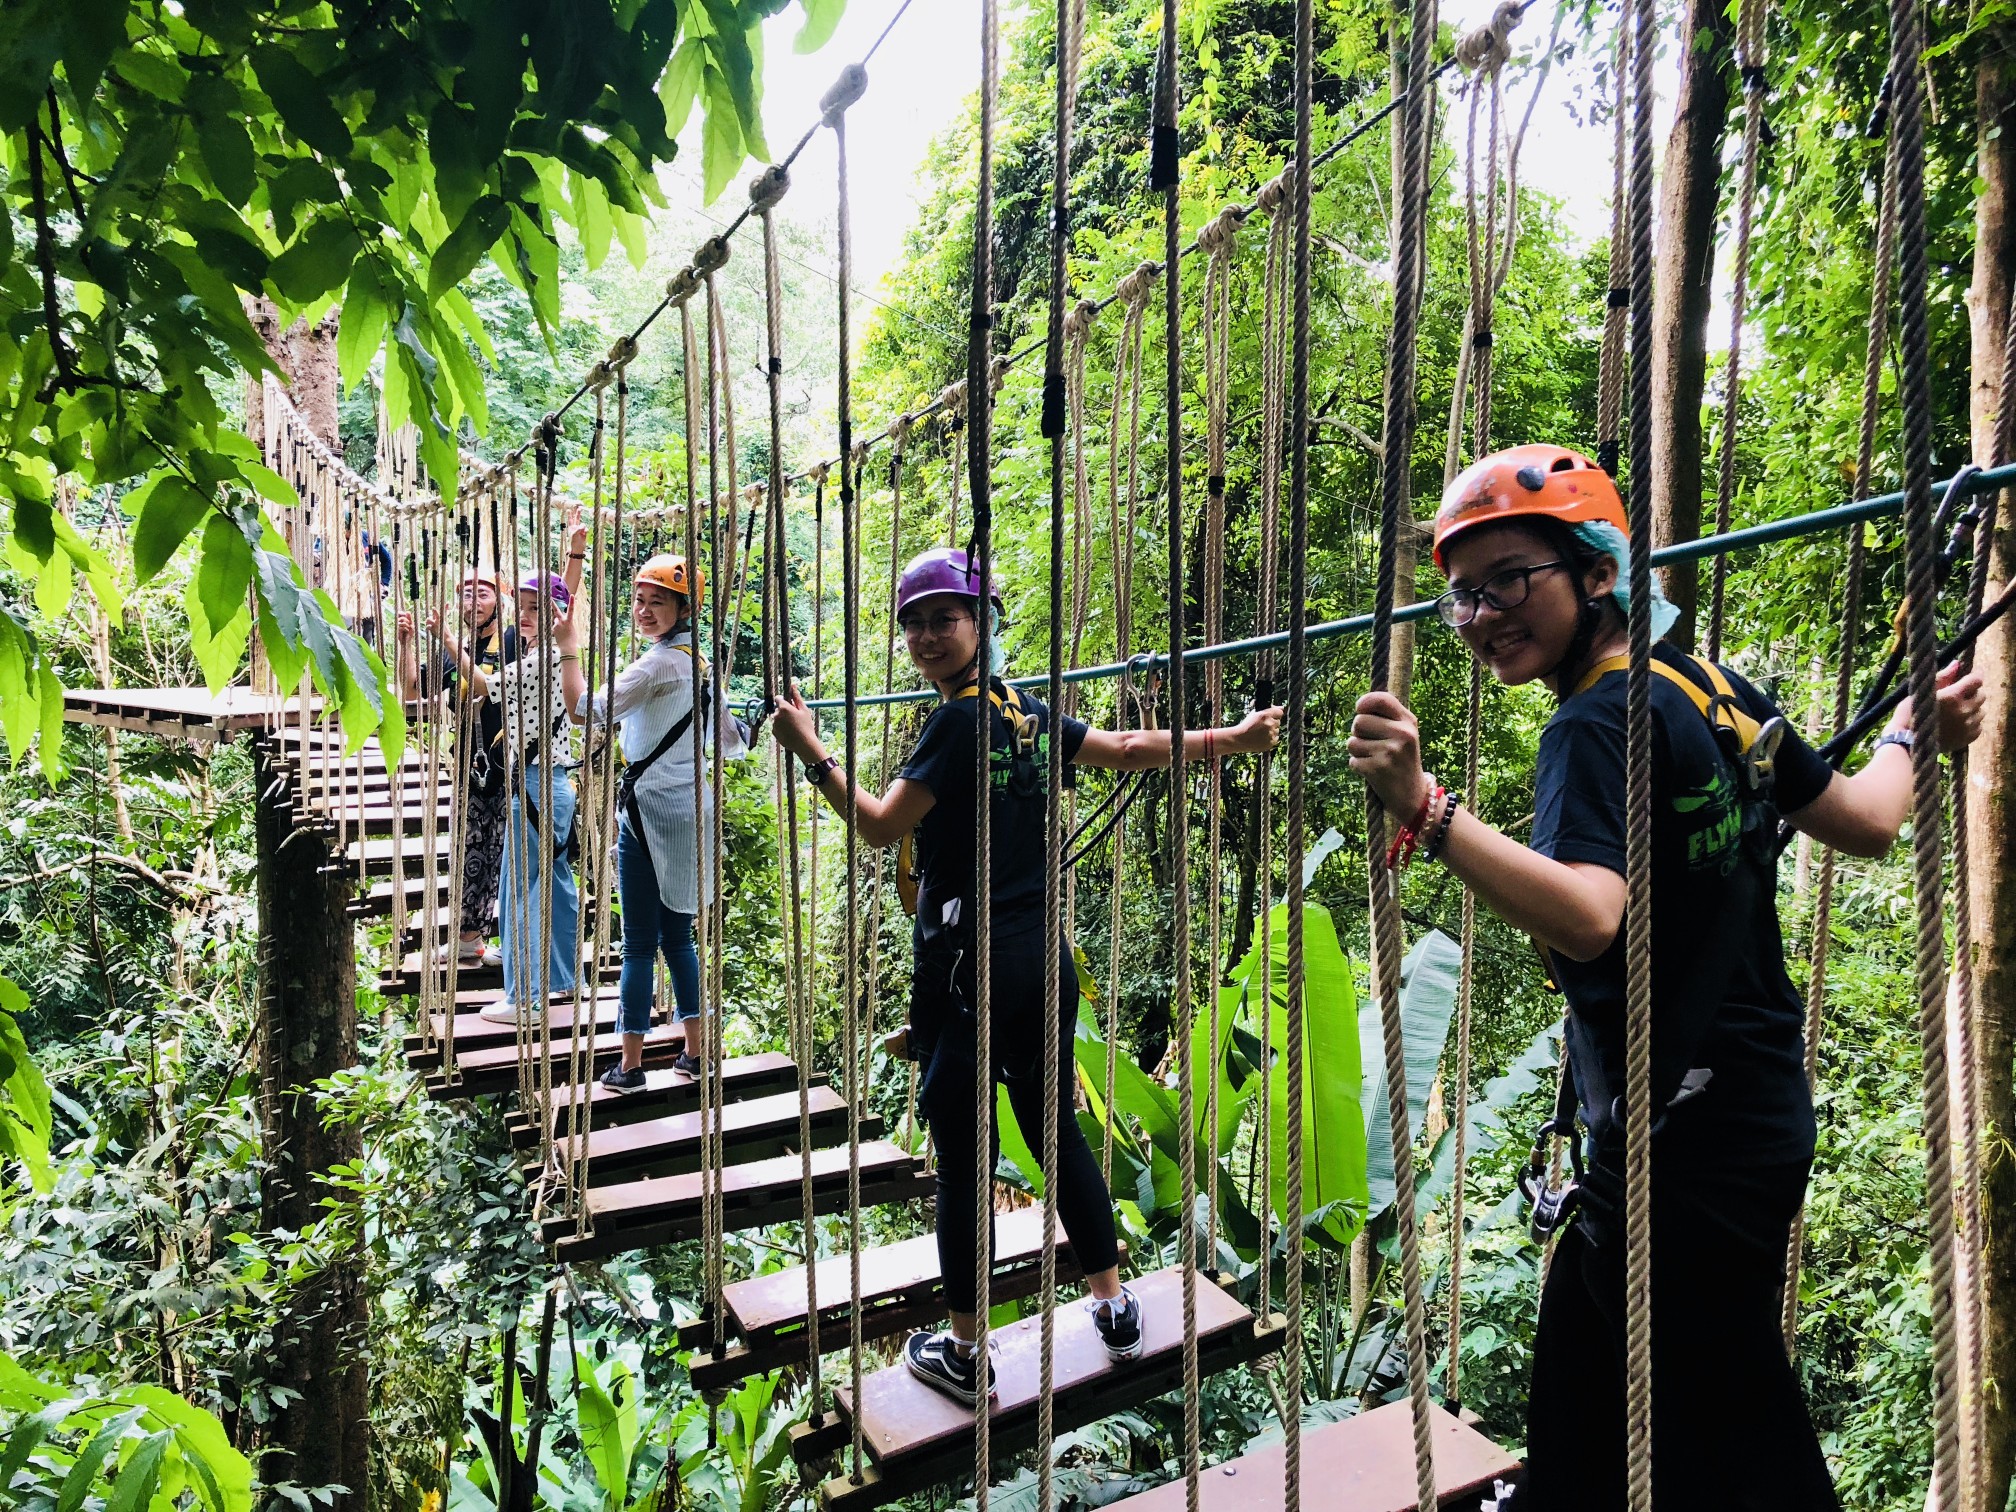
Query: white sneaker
x=500, y=1012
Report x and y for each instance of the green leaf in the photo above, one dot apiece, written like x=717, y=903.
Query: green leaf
x=92, y=31
x=302, y=100
x=681, y=84
x=821, y=16
x=360, y=329
x=134, y=1487
x=720, y=139
x=77, y=1484
x=602, y=1437
x=319, y=259
x=219, y=648
x=24, y=1095
x=172, y=508
x=202, y=1439
x=224, y=573
x=1428, y=983
x=476, y=233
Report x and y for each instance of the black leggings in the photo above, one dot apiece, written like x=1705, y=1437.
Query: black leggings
x=1730, y=1428
x=942, y=1025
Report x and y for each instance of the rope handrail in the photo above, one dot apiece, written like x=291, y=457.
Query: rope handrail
x=1815, y=523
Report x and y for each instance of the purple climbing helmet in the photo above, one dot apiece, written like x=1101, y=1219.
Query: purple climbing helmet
x=551, y=584
x=943, y=569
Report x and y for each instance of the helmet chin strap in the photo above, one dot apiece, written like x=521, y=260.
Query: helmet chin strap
x=1587, y=622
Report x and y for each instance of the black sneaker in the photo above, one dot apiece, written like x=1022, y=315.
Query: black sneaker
x=616, y=1079
x=934, y=1359
x=687, y=1064
x=1119, y=1323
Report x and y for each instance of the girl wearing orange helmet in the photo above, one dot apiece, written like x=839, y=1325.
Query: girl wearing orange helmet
x=663, y=703
x=1533, y=542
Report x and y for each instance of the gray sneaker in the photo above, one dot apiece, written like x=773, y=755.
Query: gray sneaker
x=617, y=1079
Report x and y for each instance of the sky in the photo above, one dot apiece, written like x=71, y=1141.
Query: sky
x=921, y=78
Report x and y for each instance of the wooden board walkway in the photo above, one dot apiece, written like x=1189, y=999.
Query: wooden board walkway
x=752, y=1129
x=665, y=1090
x=916, y=1436
x=665, y=1209
x=1362, y=1464
x=901, y=1290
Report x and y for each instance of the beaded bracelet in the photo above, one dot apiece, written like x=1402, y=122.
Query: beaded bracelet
x=1432, y=851
x=1401, y=851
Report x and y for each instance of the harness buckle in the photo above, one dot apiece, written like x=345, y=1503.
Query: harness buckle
x=1552, y=1207
x=1760, y=763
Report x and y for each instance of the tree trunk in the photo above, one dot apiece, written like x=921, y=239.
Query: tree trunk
x=307, y=1031
x=1681, y=285
x=1991, y=826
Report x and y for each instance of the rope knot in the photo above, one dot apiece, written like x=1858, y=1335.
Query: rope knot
x=1133, y=290
x=997, y=375
x=601, y=376
x=682, y=286
x=952, y=399
x=623, y=353
x=849, y=87
x=1489, y=47
x=858, y=455
x=1277, y=191
x=768, y=187
x=899, y=428
x=1221, y=233
x=1079, y=322
x=712, y=256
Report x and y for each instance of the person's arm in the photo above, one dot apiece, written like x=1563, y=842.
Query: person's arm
x=573, y=682
x=1575, y=907
x=878, y=819
x=407, y=655
x=577, y=553
x=1149, y=750
x=1862, y=814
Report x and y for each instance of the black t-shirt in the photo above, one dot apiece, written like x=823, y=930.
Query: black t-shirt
x=1721, y=1000
x=491, y=651
x=943, y=760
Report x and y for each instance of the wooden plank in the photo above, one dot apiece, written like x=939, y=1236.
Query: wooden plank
x=1362, y=1464
x=665, y=1091
x=406, y=982
x=474, y=1032
x=665, y=1209
x=199, y=713
x=753, y=1129
x=900, y=1293
x=495, y=1069
x=919, y=1437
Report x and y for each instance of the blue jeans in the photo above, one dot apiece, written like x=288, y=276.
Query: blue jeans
x=648, y=928
x=518, y=912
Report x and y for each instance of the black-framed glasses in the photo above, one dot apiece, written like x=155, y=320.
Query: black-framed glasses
x=915, y=625
x=1502, y=590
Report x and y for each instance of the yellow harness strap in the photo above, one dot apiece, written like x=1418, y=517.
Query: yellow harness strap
x=1721, y=708
x=908, y=878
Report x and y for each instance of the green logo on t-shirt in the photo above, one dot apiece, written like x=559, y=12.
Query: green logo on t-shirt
x=1713, y=822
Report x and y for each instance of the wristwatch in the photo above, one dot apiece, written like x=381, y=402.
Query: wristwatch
x=816, y=772
x=1904, y=738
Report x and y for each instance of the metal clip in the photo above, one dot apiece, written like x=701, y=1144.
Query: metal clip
x=1552, y=1206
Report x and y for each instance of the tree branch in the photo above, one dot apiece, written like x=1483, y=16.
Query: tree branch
x=172, y=883
x=45, y=256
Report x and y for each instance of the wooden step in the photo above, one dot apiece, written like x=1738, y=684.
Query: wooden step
x=900, y=1291
x=378, y=856
x=1363, y=1464
x=406, y=981
x=918, y=1437
x=665, y=1091
x=754, y=1129
x=480, y=1073
x=474, y=1032
x=375, y=900
x=665, y=1209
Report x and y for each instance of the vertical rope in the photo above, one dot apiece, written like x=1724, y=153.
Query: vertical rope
x=1165, y=172
x=1070, y=22
x=1750, y=63
x=1397, y=441
x=1617, y=301
x=979, y=459
x=1844, y=675
x=1641, y=16
x=1921, y=589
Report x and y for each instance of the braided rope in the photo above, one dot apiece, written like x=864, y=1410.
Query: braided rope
x=1123, y=507
x=458, y=847
x=1921, y=639
x=1396, y=448
x=1070, y=25
x=1165, y=174
x=1617, y=303
x=1750, y=62
x=1641, y=17
x=1874, y=352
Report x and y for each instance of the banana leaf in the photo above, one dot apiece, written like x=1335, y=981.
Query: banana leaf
x=1428, y=981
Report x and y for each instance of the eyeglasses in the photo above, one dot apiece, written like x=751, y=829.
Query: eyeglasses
x=1502, y=590
x=939, y=624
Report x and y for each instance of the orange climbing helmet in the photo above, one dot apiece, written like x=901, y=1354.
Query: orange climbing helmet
x=674, y=575
x=1537, y=479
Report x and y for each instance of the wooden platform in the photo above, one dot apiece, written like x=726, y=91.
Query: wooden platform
x=666, y=1091
x=405, y=982
x=494, y=1068
x=1363, y=1464
x=667, y=1208
x=754, y=1129
x=901, y=1291
x=180, y=713
x=918, y=1437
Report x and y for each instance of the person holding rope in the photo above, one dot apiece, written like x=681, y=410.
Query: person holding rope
x=664, y=703
x=1533, y=540
x=539, y=771
x=937, y=600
